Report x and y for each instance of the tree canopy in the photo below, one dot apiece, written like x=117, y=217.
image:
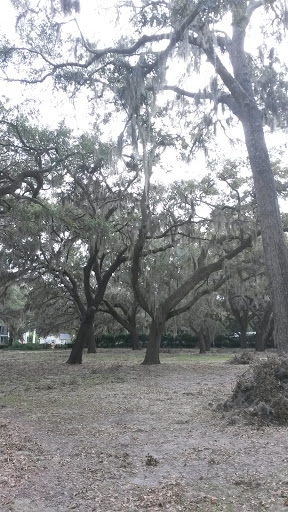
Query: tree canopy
x=78, y=207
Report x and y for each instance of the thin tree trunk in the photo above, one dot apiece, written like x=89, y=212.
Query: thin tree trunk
x=260, y=345
x=136, y=344
x=241, y=315
x=202, y=345
x=10, y=338
x=128, y=322
x=243, y=337
x=269, y=332
x=207, y=344
x=85, y=333
x=157, y=327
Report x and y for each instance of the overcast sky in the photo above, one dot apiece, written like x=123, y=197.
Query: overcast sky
x=98, y=24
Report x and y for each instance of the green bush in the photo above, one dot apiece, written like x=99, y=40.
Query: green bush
x=187, y=340
x=124, y=340
x=227, y=341
x=28, y=346
x=63, y=346
x=182, y=340
x=120, y=340
x=251, y=340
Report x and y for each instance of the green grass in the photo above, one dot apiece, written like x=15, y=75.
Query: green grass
x=165, y=357
x=211, y=358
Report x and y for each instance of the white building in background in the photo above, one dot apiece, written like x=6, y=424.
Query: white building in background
x=26, y=336
x=56, y=339
x=4, y=334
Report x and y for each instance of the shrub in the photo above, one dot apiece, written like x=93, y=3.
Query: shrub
x=28, y=346
x=114, y=340
x=227, y=341
x=187, y=340
x=63, y=346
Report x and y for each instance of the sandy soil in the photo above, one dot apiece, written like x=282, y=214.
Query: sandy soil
x=114, y=436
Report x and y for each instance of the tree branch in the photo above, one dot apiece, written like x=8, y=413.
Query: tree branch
x=137, y=254
x=201, y=293
x=200, y=274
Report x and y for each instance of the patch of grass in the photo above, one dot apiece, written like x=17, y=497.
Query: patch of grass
x=11, y=400
x=211, y=358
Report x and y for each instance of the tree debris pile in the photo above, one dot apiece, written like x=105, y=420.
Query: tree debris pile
x=261, y=393
x=243, y=358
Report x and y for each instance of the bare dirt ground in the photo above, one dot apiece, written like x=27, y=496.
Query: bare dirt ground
x=114, y=436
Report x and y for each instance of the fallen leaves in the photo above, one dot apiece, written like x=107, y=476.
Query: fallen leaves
x=88, y=450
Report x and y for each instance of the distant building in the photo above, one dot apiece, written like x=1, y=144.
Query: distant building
x=4, y=334
x=56, y=339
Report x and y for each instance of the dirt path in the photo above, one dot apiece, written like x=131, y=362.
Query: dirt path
x=113, y=436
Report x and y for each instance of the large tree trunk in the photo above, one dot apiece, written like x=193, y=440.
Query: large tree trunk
x=262, y=338
x=260, y=343
x=208, y=338
x=136, y=343
x=157, y=327
x=84, y=335
x=275, y=250
x=92, y=344
x=241, y=315
x=245, y=107
x=264, y=329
